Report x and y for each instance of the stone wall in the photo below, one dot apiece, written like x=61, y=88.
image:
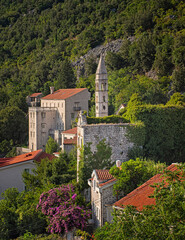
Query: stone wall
x=114, y=135
x=107, y=198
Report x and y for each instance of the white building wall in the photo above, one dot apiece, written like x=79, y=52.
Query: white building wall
x=42, y=122
x=11, y=176
x=78, y=102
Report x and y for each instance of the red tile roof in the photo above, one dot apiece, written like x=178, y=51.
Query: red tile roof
x=35, y=155
x=44, y=155
x=72, y=141
x=63, y=93
x=103, y=174
x=71, y=131
x=140, y=196
x=35, y=94
x=107, y=182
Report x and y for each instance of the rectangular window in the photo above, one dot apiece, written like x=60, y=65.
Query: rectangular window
x=76, y=104
x=43, y=114
x=43, y=125
x=72, y=115
x=94, y=185
x=103, y=98
x=30, y=115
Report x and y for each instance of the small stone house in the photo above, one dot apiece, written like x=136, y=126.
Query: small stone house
x=102, y=197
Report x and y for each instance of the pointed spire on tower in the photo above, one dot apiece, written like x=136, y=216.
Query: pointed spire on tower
x=101, y=66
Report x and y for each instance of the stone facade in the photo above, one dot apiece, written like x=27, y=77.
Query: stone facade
x=101, y=196
x=114, y=135
x=57, y=112
x=101, y=92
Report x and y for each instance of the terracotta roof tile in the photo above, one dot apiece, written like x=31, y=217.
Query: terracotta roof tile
x=107, y=182
x=63, y=93
x=35, y=94
x=35, y=155
x=45, y=155
x=103, y=174
x=70, y=141
x=71, y=131
x=140, y=196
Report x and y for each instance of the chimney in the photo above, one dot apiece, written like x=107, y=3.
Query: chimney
x=118, y=163
x=51, y=90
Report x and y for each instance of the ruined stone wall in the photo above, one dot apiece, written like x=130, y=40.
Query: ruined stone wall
x=114, y=135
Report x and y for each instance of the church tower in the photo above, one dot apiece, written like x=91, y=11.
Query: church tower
x=101, y=92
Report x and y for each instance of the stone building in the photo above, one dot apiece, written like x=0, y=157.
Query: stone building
x=102, y=198
x=101, y=89
x=114, y=134
x=56, y=113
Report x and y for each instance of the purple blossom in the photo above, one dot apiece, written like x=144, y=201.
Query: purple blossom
x=74, y=196
x=59, y=205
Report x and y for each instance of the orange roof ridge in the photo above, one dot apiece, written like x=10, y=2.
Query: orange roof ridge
x=35, y=94
x=63, y=93
x=35, y=155
x=71, y=131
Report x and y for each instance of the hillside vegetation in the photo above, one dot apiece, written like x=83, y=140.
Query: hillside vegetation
x=40, y=39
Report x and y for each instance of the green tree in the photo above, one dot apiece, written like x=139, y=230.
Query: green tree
x=53, y=172
x=133, y=173
x=89, y=161
x=114, y=61
x=66, y=78
x=51, y=146
x=178, y=79
x=176, y=99
x=13, y=125
x=8, y=215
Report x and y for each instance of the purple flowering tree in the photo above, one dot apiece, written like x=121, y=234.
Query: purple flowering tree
x=59, y=204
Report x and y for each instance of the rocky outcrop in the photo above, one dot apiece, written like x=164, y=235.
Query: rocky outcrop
x=113, y=46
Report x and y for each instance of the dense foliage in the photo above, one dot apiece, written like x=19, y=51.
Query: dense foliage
x=60, y=170
x=133, y=173
x=107, y=119
x=51, y=146
x=165, y=220
x=162, y=132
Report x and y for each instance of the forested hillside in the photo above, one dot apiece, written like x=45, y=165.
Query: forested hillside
x=40, y=39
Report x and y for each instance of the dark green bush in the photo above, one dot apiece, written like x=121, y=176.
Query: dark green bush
x=107, y=119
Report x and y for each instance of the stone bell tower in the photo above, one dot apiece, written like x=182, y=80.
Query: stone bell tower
x=101, y=92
